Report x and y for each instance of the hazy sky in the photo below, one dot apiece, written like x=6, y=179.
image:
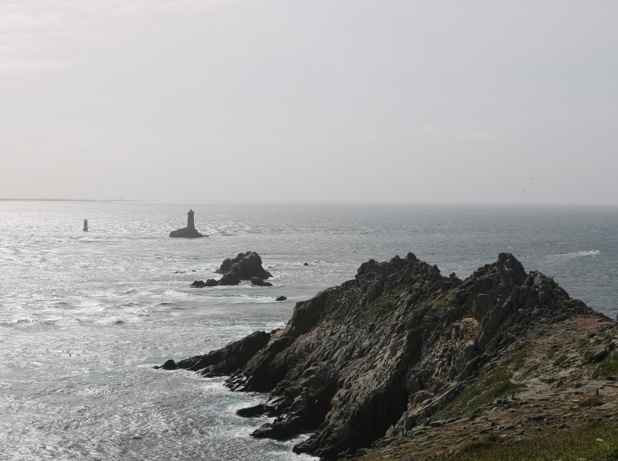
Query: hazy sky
x=337, y=100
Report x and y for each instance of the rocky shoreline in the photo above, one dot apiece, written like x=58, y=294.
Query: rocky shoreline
x=403, y=354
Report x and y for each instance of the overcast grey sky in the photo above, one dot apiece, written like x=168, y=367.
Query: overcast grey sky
x=311, y=100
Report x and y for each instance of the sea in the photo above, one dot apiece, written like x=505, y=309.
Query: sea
x=84, y=316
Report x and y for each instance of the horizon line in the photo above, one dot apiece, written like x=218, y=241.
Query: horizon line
x=305, y=202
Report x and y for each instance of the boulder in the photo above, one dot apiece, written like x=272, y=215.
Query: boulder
x=226, y=280
x=168, y=365
x=260, y=283
x=281, y=298
x=250, y=412
x=229, y=279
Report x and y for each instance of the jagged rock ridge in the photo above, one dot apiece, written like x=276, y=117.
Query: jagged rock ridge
x=382, y=353
x=245, y=266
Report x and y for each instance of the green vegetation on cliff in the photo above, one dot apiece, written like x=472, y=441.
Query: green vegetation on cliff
x=594, y=442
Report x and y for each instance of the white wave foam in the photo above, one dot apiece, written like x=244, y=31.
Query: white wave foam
x=577, y=254
x=588, y=253
x=237, y=299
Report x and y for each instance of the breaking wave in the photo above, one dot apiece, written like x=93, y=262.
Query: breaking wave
x=576, y=254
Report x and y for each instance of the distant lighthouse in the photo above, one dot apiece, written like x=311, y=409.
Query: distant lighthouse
x=190, y=231
x=191, y=220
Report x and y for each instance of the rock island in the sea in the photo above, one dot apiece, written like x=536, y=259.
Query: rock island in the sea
x=189, y=232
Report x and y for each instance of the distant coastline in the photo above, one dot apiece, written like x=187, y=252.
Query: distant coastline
x=340, y=204
x=61, y=200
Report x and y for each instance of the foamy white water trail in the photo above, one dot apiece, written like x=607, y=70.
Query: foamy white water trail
x=576, y=254
x=85, y=316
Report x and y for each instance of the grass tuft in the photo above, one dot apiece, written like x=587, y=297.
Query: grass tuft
x=607, y=368
x=591, y=402
x=497, y=384
x=560, y=360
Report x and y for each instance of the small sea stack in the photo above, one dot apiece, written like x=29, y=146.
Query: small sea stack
x=85, y=225
x=189, y=232
x=245, y=266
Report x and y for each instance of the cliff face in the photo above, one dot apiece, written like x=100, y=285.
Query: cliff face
x=379, y=355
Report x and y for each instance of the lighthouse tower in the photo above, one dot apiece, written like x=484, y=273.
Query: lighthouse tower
x=189, y=232
x=191, y=220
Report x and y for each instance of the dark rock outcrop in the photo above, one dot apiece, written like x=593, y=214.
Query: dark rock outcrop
x=168, y=365
x=229, y=359
x=207, y=283
x=228, y=279
x=281, y=298
x=258, y=282
x=190, y=231
x=381, y=354
x=246, y=266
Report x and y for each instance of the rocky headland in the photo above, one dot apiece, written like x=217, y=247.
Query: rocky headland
x=403, y=362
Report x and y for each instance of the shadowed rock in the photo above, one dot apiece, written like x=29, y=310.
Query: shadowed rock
x=229, y=279
x=228, y=360
x=207, y=283
x=169, y=365
x=246, y=266
x=260, y=283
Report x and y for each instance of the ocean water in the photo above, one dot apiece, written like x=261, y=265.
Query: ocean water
x=85, y=316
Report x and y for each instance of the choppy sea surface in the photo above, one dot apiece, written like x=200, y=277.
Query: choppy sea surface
x=84, y=316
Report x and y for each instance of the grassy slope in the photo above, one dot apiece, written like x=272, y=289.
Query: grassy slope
x=592, y=442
